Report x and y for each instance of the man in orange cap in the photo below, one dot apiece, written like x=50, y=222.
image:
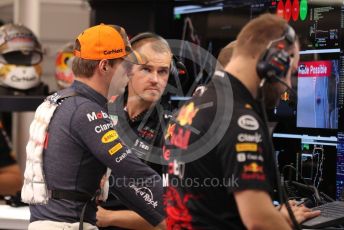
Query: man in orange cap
x=81, y=142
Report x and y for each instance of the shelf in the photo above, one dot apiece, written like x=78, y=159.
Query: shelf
x=20, y=103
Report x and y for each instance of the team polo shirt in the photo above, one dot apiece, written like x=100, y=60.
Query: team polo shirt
x=200, y=194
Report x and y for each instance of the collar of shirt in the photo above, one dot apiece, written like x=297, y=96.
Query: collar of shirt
x=243, y=94
x=89, y=93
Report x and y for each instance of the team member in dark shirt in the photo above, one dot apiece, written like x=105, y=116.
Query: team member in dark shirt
x=81, y=141
x=143, y=110
x=140, y=115
x=231, y=186
x=10, y=174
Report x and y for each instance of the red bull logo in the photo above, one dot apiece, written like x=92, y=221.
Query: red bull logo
x=187, y=114
x=170, y=130
x=253, y=168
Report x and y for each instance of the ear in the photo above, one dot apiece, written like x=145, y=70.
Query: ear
x=103, y=65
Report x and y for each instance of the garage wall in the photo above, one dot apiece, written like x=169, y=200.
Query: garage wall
x=55, y=23
x=59, y=22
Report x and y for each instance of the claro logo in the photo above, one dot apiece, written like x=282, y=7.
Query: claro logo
x=108, y=52
x=94, y=116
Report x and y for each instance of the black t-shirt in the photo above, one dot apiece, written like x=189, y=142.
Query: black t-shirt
x=200, y=192
x=143, y=135
x=5, y=149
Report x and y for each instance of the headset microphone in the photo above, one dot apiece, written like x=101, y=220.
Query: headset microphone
x=274, y=64
x=289, y=89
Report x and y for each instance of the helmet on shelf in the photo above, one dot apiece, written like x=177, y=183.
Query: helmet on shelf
x=20, y=57
x=63, y=66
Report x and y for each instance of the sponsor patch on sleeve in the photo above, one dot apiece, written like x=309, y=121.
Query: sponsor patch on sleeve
x=241, y=157
x=247, y=137
x=253, y=168
x=115, y=149
x=109, y=136
x=248, y=122
x=243, y=147
x=253, y=171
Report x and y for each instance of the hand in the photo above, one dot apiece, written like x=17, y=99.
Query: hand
x=104, y=217
x=102, y=181
x=301, y=212
x=104, y=187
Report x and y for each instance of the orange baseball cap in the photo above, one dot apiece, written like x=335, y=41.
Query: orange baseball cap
x=106, y=42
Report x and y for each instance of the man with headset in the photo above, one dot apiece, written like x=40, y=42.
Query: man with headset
x=144, y=109
x=140, y=116
x=232, y=185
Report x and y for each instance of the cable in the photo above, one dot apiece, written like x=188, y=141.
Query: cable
x=292, y=167
x=319, y=165
x=291, y=90
x=308, y=186
x=321, y=168
x=327, y=197
x=281, y=191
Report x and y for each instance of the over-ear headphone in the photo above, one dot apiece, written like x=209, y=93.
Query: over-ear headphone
x=274, y=63
x=174, y=68
x=177, y=67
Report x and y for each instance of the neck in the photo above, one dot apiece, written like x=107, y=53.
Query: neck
x=244, y=69
x=135, y=105
x=95, y=84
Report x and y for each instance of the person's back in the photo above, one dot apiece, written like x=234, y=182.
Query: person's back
x=211, y=180
x=68, y=163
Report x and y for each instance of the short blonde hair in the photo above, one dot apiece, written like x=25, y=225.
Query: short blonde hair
x=225, y=54
x=255, y=36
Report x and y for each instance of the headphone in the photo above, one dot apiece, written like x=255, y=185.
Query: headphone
x=177, y=67
x=176, y=64
x=274, y=63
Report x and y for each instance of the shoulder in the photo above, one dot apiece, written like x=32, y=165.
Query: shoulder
x=78, y=106
x=88, y=109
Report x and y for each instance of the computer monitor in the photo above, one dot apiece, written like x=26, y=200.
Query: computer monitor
x=340, y=167
x=317, y=110
x=316, y=113
x=314, y=157
x=317, y=89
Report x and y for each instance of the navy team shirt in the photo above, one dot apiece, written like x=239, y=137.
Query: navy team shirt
x=81, y=143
